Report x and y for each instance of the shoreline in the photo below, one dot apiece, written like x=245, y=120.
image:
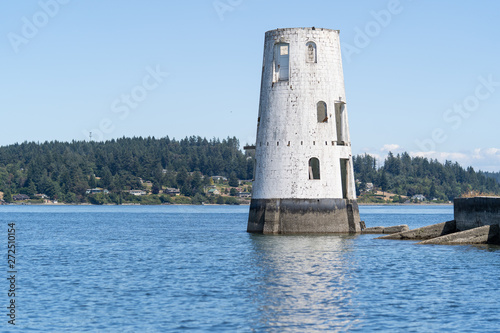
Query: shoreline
x=244, y=204
x=403, y=204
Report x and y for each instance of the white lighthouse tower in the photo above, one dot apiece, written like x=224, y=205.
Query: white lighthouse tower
x=304, y=181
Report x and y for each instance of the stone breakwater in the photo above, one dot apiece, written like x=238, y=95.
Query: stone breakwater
x=476, y=221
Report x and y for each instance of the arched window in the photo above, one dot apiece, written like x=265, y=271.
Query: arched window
x=313, y=168
x=311, y=52
x=322, y=112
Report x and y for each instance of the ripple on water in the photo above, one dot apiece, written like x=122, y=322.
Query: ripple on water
x=196, y=269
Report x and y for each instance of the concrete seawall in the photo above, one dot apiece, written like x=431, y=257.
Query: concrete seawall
x=476, y=212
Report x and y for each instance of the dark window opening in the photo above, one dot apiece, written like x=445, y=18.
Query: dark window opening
x=254, y=168
x=344, y=167
x=313, y=168
x=321, y=112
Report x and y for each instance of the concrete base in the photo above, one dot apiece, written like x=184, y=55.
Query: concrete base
x=423, y=233
x=386, y=230
x=488, y=234
x=295, y=216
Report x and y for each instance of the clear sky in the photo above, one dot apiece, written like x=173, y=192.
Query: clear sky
x=421, y=76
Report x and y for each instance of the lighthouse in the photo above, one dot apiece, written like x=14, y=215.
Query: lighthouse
x=303, y=178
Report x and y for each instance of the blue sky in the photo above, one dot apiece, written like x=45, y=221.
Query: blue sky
x=421, y=76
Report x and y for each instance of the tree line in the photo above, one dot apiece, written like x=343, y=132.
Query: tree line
x=406, y=175
x=65, y=170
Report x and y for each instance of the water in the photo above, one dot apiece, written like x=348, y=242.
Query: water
x=194, y=268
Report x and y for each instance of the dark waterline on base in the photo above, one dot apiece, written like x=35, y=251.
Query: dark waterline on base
x=195, y=268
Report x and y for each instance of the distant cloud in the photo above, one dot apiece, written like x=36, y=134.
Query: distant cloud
x=486, y=153
x=485, y=159
x=440, y=156
x=391, y=147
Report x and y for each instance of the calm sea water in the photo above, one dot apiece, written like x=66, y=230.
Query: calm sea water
x=194, y=268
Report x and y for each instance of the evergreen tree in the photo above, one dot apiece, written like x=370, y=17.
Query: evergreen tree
x=92, y=181
x=106, y=178
x=383, y=181
x=31, y=188
x=182, y=177
x=7, y=196
x=233, y=180
x=196, y=183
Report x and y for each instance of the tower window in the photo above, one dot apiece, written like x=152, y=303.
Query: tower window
x=313, y=168
x=339, y=122
x=254, y=168
x=344, y=175
x=281, y=61
x=311, y=52
x=322, y=112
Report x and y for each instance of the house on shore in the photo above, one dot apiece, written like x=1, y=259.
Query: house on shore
x=213, y=191
x=20, y=197
x=172, y=191
x=137, y=192
x=218, y=179
x=418, y=197
x=96, y=190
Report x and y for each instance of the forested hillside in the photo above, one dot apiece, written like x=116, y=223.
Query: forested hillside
x=65, y=170
x=406, y=175
x=494, y=175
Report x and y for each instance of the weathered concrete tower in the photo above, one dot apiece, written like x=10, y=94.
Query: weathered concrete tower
x=304, y=181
